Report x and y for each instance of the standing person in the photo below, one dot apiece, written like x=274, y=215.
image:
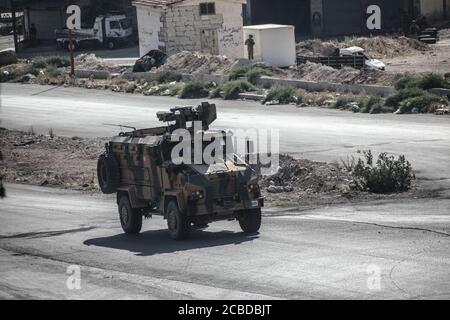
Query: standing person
x=250, y=43
x=33, y=34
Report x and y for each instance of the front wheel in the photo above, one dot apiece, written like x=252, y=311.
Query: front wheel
x=110, y=44
x=130, y=219
x=177, y=222
x=250, y=220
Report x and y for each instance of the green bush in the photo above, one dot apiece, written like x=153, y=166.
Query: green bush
x=194, y=90
x=7, y=75
x=428, y=81
x=57, y=61
x=380, y=108
x=407, y=81
x=420, y=103
x=238, y=72
x=371, y=103
x=232, y=89
x=251, y=72
x=53, y=71
x=169, y=76
x=39, y=63
x=284, y=95
x=395, y=99
x=431, y=81
x=387, y=175
x=216, y=92
x=255, y=73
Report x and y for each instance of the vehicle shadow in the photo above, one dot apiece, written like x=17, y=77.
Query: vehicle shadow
x=158, y=241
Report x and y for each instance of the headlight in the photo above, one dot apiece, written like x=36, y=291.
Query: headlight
x=196, y=195
x=253, y=187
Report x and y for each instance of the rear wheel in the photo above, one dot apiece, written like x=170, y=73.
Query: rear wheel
x=130, y=219
x=108, y=173
x=250, y=220
x=177, y=222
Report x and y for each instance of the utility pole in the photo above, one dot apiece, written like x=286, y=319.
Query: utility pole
x=71, y=48
x=14, y=23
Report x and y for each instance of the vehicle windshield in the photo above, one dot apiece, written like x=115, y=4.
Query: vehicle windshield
x=125, y=23
x=114, y=24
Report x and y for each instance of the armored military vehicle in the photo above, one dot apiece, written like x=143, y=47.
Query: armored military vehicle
x=139, y=168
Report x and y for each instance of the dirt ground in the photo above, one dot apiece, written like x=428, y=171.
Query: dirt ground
x=70, y=163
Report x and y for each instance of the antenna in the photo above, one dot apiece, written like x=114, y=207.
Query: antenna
x=119, y=125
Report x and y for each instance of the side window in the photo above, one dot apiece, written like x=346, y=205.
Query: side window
x=207, y=8
x=114, y=25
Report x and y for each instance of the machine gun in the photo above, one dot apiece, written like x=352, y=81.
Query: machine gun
x=206, y=113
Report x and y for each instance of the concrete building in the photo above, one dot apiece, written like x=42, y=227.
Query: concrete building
x=324, y=18
x=213, y=26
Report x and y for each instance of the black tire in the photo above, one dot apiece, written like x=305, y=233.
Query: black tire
x=130, y=219
x=250, y=221
x=110, y=44
x=177, y=222
x=108, y=173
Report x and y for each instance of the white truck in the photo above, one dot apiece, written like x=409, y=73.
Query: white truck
x=108, y=30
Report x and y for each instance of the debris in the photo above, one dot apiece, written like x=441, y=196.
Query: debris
x=153, y=59
x=196, y=63
x=7, y=57
x=299, y=175
x=91, y=62
x=379, y=46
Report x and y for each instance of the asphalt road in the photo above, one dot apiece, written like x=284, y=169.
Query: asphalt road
x=313, y=133
x=373, y=251
x=327, y=252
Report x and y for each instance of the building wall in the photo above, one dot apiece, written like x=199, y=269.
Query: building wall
x=149, y=28
x=433, y=9
x=286, y=12
x=180, y=27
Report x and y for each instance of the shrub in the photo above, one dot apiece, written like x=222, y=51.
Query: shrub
x=284, y=95
x=7, y=75
x=216, y=93
x=251, y=72
x=169, y=76
x=380, y=108
x=39, y=63
x=429, y=81
x=194, y=90
x=432, y=80
x=371, y=103
x=53, y=71
x=58, y=61
x=387, y=175
x=238, y=72
x=395, y=99
x=232, y=89
x=420, y=103
x=406, y=81
x=254, y=73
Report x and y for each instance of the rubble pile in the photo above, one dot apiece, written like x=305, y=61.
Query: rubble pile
x=376, y=47
x=305, y=176
x=316, y=47
x=48, y=160
x=91, y=62
x=196, y=63
x=320, y=73
x=388, y=47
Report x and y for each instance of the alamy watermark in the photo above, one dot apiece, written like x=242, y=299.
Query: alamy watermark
x=73, y=282
x=255, y=147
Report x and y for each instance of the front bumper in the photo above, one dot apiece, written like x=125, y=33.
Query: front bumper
x=224, y=206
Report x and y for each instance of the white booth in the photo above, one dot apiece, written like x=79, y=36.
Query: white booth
x=274, y=44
